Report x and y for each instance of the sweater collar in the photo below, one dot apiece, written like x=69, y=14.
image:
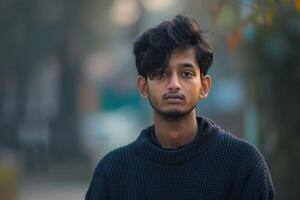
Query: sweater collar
x=146, y=147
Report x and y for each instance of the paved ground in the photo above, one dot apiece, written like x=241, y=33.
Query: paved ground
x=51, y=189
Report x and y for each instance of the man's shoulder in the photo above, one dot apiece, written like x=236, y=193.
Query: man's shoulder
x=237, y=147
x=228, y=142
x=245, y=163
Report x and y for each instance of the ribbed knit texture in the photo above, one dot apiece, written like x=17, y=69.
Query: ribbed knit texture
x=214, y=166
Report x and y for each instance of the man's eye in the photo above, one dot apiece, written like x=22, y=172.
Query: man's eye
x=187, y=74
x=158, y=75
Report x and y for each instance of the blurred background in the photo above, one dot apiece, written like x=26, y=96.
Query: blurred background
x=68, y=94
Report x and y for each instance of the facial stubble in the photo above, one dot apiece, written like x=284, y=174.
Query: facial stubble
x=172, y=115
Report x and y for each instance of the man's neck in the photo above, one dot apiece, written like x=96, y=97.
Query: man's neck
x=172, y=134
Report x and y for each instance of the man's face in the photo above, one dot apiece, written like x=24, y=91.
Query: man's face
x=175, y=91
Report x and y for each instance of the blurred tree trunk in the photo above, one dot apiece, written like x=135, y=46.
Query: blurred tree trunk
x=273, y=76
x=268, y=33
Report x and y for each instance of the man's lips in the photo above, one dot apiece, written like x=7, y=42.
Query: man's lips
x=173, y=98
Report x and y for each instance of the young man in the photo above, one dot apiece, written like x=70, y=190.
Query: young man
x=181, y=156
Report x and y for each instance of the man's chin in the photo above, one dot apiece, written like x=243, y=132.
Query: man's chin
x=173, y=114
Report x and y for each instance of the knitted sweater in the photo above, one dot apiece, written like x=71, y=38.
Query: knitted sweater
x=215, y=165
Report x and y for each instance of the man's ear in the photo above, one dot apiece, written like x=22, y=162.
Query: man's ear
x=141, y=83
x=206, y=84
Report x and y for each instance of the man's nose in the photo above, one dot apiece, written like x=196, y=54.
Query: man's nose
x=174, y=83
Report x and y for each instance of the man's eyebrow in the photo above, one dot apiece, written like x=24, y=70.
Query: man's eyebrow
x=186, y=65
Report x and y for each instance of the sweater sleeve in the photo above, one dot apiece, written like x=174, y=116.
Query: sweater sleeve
x=98, y=189
x=258, y=184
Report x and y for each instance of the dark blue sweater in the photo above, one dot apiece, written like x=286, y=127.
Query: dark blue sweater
x=215, y=166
